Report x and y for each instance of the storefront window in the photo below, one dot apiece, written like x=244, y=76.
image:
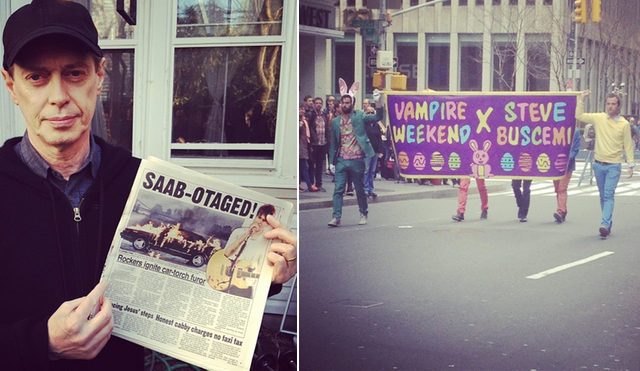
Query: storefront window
x=225, y=95
x=344, y=61
x=208, y=18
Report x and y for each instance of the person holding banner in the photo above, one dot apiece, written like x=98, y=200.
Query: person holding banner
x=463, y=192
x=613, y=140
x=561, y=185
x=522, y=191
x=64, y=191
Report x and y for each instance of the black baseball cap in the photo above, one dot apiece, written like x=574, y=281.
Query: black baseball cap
x=45, y=17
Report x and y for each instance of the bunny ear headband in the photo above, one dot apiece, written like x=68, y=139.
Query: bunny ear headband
x=351, y=92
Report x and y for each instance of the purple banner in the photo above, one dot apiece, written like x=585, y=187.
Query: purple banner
x=501, y=135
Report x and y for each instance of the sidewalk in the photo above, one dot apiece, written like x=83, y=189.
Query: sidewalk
x=392, y=190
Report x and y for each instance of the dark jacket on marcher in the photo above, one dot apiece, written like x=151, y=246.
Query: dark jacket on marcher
x=375, y=136
x=311, y=120
x=47, y=258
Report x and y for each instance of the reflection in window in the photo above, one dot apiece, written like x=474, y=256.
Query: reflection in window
x=504, y=66
x=225, y=95
x=110, y=25
x=470, y=66
x=113, y=119
x=538, y=66
x=407, y=53
x=207, y=18
x=438, y=59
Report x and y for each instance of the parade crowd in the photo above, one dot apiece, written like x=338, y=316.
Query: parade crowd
x=354, y=145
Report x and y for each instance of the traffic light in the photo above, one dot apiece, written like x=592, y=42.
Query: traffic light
x=581, y=11
x=596, y=6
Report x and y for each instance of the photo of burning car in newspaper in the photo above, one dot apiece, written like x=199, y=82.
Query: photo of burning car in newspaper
x=176, y=234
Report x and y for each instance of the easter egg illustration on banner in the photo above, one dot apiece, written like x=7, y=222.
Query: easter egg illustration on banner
x=525, y=162
x=403, y=160
x=506, y=162
x=454, y=161
x=561, y=162
x=419, y=161
x=543, y=163
x=437, y=161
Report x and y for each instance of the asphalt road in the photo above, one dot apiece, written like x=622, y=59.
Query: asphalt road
x=414, y=290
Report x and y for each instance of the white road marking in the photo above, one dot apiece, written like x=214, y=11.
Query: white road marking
x=570, y=265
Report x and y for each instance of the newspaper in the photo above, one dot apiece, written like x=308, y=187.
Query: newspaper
x=187, y=268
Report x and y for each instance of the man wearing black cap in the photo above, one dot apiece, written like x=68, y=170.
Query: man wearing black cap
x=63, y=192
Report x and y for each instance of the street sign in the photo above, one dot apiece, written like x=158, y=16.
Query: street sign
x=578, y=60
x=373, y=62
x=363, y=23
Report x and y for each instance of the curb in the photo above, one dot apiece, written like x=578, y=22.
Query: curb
x=400, y=196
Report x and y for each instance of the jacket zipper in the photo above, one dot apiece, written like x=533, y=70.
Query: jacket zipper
x=77, y=217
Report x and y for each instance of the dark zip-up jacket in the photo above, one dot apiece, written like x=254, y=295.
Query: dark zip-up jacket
x=49, y=255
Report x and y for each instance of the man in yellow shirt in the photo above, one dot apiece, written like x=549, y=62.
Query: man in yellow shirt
x=613, y=139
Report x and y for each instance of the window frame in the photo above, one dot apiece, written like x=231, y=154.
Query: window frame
x=276, y=162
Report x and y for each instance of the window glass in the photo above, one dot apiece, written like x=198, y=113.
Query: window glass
x=504, y=66
x=471, y=66
x=110, y=24
x=225, y=95
x=538, y=66
x=438, y=64
x=113, y=119
x=407, y=53
x=207, y=18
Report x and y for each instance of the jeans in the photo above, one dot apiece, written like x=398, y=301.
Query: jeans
x=607, y=177
x=523, y=197
x=303, y=168
x=370, y=170
x=356, y=169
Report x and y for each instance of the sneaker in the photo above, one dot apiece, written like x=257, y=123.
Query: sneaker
x=320, y=189
x=349, y=192
x=523, y=219
x=335, y=222
x=458, y=217
x=363, y=219
x=373, y=195
x=604, y=231
x=313, y=188
x=559, y=217
x=484, y=213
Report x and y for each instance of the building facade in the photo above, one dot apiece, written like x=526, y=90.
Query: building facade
x=489, y=45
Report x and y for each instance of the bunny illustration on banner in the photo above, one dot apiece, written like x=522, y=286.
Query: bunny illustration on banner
x=348, y=91
x=480, y=167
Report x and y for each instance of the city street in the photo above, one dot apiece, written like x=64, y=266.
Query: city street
x=414, y=290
